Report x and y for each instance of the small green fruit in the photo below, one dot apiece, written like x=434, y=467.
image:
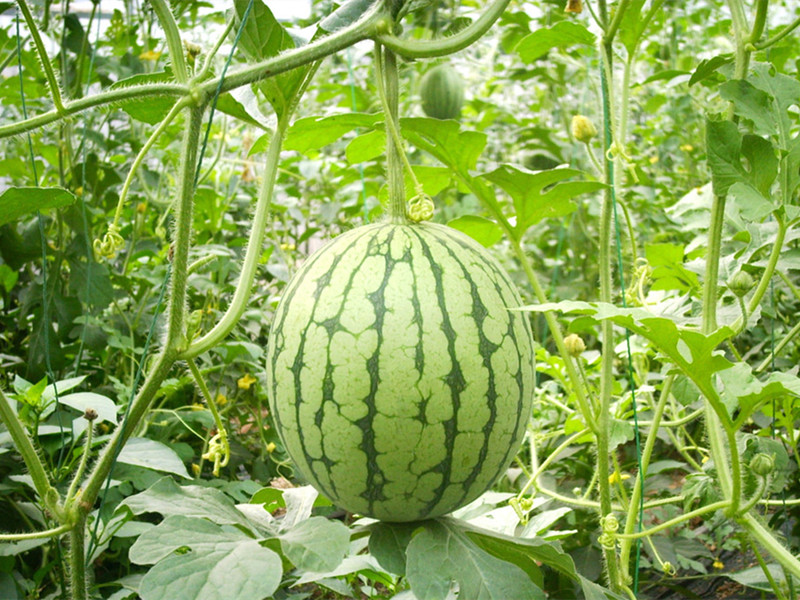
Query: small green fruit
x=442, y=92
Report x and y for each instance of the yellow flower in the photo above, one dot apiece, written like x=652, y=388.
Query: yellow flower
x=705, y=460
x=195, y=469
x=718, y=564
x=271, y=447
x=245, y=382
x=687, y=147
x=150, y=55
x=615, y=477
x=653, y=160
x=221, y=399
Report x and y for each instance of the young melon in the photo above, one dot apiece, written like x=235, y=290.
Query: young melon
x=399, y=381
x=442, y=92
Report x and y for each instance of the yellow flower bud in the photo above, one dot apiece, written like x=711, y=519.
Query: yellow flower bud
x=583, y=129
x=574, y=6
x=575, y=345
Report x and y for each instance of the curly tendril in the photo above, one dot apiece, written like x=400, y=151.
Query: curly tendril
x=111, y=243
x=420, y=208
x=610, y=526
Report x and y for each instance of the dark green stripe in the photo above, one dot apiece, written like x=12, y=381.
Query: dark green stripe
x=375, y=479
x=454, y=379
x=298, y=364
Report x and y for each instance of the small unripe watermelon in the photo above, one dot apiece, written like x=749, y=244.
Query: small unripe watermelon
x=442, y=92
x=398, y=380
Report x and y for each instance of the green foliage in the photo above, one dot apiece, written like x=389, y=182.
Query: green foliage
x=703, y=127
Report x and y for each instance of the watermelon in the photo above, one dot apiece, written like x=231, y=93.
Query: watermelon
x=442, y=92
x=398, y=380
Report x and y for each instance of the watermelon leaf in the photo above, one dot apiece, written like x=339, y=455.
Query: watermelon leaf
x=168, y=498
x=264, y=37
x=442, y=554
x=214, y=569
x=16, y=202
x=540, y=195
x=560, y=35
x=312, y=133
x=693, y=352
x=457, y=149
x=388, y=543
x=316, y=544
x=484, y=231
x=150, y=454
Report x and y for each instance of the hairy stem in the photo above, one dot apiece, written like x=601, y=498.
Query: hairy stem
x=79, y=589
x=631, y=519
x=607, y=328
x=176, y=307
x=388, y=82
x=170, y=27
x=81, y=104
x=35, y=535
x=49, y=74
x=450, y=44
x=767, y=540
x=255, y=241
x=25, y=447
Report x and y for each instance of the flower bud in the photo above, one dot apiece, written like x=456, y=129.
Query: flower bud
x=762, y=464
x=583, y=129
x=574, y=6
x=90, y=414
x=574, y=344
x=741, y=283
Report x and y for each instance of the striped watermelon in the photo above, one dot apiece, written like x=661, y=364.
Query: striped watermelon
x=442, y=92
x=398, y=380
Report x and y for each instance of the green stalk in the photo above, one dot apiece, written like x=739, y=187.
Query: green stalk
x=389, y=88
x=611, y=31
x=24, y=444
x=441, y=47
x=173, y=36
x=84, y=51
x=123, y=195
x=759, y=21
x=87, y=450
x=714, y=506
x=777, y=550
x=79, y=588
x=726, y=458
x=712, y=265
x=255, y=241
x=49, y=74
x=581, y=394
x=209, y=59
x=35, y=535
x=108, y=97
x=370, y=25
x=780, y=346
x=537, y=470
x=607, y=327
x=778, y=36
x=766, y=277
x=631, y=519
x=175, y=327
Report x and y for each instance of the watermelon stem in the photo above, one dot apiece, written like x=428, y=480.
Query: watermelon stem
x=388, y=90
